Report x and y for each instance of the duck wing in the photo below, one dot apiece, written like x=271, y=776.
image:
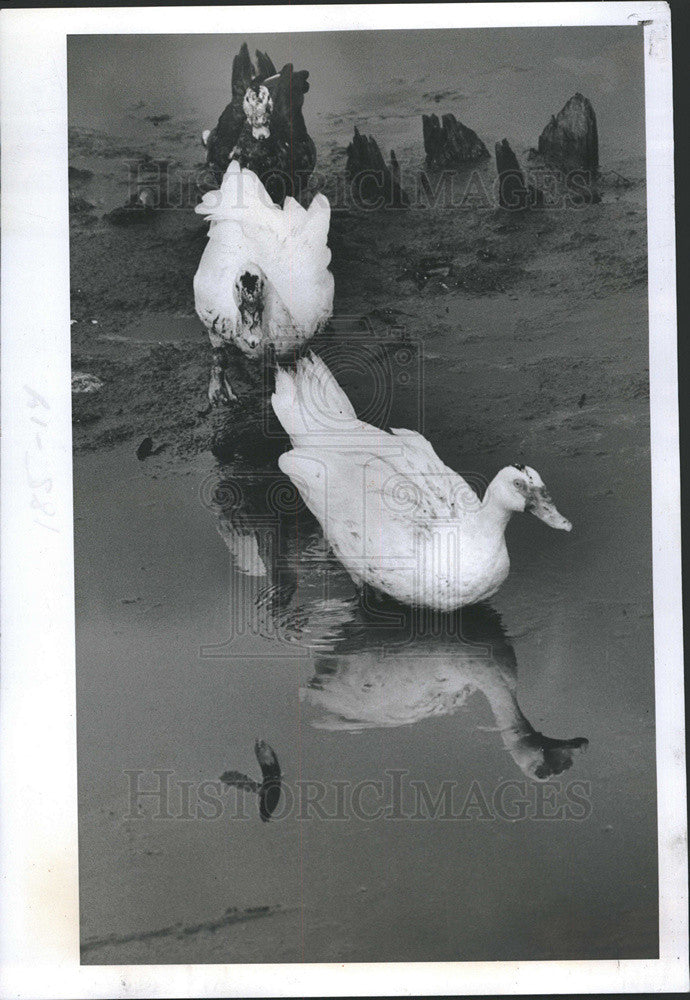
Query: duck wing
x=291, y=247
x=288, y=125
x=449, y=494
x=377, y=495
x=330, y=441
x=318, y=415
x=215, y=279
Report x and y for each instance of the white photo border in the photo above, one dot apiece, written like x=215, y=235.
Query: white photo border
x=39, y=931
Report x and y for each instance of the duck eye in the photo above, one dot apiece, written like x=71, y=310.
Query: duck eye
x=521, y=486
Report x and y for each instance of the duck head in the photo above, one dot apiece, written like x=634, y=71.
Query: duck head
x=257, y=107
x=518, y=488
x=249, y=290
x=539, y=757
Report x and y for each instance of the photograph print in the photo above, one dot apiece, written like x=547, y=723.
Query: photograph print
x=362, y=496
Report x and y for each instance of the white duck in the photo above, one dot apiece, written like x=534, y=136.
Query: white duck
x=395, y=516
x=263, y=279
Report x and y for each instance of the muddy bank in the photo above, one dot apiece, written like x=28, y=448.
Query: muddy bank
x=418, y=271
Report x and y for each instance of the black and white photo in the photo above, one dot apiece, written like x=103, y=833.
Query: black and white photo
x=358, y=458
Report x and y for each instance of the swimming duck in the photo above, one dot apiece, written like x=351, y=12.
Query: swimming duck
x=263, y=279
x=376, y=665
x=396, y=517
x=263, y=126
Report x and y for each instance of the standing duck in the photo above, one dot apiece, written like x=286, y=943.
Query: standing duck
x=396, y=517
x=263, y=279
x=263, y=126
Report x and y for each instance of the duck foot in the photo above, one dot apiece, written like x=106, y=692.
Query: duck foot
x=220, y=392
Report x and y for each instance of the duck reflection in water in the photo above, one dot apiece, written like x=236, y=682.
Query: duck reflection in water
x=383, y=676
x=379, y=664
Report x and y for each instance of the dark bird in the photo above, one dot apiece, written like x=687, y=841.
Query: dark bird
x=263, y=127
x=269, y=790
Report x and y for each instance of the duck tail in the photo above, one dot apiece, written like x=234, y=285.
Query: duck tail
x=309, y=402
x=284, y=402
x=241, y=194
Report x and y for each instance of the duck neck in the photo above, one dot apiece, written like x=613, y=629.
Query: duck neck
x=509, y=719
x=494, y=513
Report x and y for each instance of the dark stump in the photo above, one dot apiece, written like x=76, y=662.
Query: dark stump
x=449, y=143
x=374, y=185
x=570, y=141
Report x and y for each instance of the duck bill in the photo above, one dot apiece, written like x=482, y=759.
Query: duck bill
x=542, y=506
